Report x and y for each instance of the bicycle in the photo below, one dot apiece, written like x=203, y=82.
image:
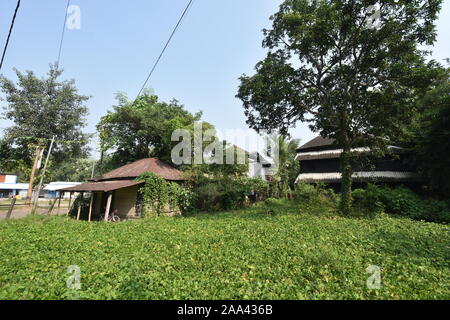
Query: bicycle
x=111, y=218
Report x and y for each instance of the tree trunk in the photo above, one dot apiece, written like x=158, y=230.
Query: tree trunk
x=346, y=181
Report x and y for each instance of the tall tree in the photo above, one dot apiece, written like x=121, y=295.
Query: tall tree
x=40, y=108
x=430, y=137
x=330, y=65
x=143, y=128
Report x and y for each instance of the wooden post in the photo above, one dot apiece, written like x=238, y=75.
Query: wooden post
x=37, y=156
x=11, y=208
x=70, y=202
x=80, y=205
x=61, y=193
x=90, y=206
x=52, y=205
x=108, y=206
x=41, y=181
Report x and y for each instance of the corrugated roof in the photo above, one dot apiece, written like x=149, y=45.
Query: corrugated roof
x=317, y=142
x=331, y=177
x=135, y=169
x=103, y=186
x=13, y=186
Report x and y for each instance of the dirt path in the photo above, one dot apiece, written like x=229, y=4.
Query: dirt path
x=23, y=211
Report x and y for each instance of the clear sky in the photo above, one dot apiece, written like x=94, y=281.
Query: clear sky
x=119, y=41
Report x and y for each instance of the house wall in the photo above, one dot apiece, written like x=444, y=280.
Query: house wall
x=125, y=201
x=333, y=165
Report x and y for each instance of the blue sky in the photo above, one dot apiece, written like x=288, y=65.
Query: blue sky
x=119, y=41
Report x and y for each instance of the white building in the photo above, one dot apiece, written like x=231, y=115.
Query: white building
x=260, y=166
x=51, y=190
x=9, y=186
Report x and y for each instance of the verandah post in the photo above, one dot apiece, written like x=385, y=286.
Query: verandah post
x=90, y=206
x=79, y=206
x=108, y=206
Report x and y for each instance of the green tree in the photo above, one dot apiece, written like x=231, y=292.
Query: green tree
x=74, y=170
x=288, y=168
x=39, y=109
x=143, y=128
x=430, y=137
x=327, y=65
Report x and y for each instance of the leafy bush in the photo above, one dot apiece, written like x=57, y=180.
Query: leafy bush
x=305, y=192
x=401, y=201
x=368, y=201
x=273, y=205
x=159, y=194
x=229, y=193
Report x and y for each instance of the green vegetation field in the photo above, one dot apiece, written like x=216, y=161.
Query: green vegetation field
x=237, y=255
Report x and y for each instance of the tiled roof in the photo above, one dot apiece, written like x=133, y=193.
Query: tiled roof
x=102, y=186
x=135, y=169
x=331, y=177
x=316, y=143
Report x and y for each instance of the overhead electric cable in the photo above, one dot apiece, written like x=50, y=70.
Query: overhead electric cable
x=9, y=34
x=62, y=34
x=165, y=47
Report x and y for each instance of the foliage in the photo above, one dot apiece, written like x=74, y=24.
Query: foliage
x=431, y=137
x=368, y=201
x=401, y=201
x=159, y=194
x=229, y=193
x=286, y=256
x=283, y=178
x=327, y=66
x=143, y=128
x=76, y=170
x=39, y=110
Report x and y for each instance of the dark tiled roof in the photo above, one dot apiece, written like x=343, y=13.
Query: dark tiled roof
x=103, y=186
x=135, y=169
x=316, y=143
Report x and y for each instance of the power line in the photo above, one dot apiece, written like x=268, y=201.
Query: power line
x=62, y=34
x=9, y=34
x=165, y=47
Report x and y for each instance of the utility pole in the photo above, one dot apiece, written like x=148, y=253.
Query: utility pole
x=37, y=158
x=41, y=181
x=93, y=169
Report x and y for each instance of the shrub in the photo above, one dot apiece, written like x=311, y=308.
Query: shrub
x=400, y=201
x=159, y=194
x=229, y=193
x=273, y=205
x=368, y=201
x=305, y=193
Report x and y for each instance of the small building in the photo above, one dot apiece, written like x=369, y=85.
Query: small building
x=260, y=166
x=52, y=190
x=10, y=188
x=118, y=190
x=320, y=162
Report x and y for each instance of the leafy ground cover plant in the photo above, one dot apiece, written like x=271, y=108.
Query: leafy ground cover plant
x=230, y=255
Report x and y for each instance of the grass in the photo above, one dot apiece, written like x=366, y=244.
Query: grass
x=236, y=255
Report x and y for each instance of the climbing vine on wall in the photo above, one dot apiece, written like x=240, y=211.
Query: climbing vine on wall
x=158, y=194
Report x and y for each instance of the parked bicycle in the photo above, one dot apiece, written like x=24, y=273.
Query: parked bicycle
x=113, y=217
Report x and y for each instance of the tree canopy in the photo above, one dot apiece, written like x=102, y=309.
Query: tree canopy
x=329, y=66
x=40, y=108
x=143, y=128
